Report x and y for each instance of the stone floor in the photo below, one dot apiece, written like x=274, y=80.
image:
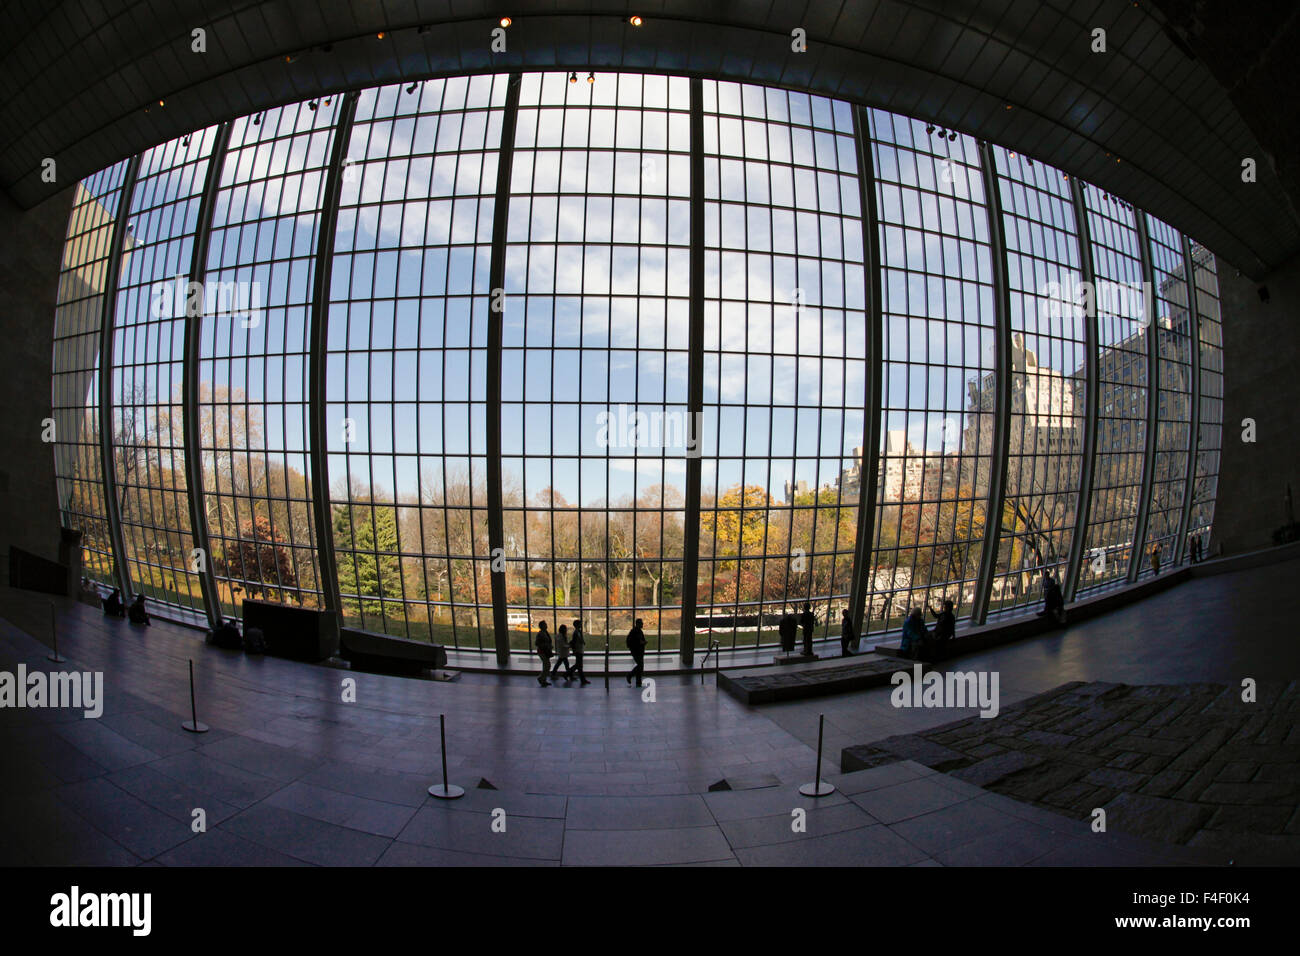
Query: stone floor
x=291, y=774
x=1191, y=764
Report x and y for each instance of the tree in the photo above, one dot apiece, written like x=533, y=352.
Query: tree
x=365, y=535
x=260, y=561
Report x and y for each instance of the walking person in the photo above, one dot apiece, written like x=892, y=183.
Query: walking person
x=809, y=624
x=577, y=643
x=848, y=636
x=544, y=652
x=562, y=654
x=636, y=644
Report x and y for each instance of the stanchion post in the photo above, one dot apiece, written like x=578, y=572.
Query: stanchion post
x=606, y=663
x=447, y=791
x=193, y=725
x=818, y=787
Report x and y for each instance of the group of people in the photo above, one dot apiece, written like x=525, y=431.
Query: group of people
x=135, y=613
x=564, y=645
x=919, y=641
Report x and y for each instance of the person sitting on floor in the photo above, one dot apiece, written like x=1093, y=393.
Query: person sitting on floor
x=136, y=612
x=945, y=629
x=226, y=635
x=113, y=606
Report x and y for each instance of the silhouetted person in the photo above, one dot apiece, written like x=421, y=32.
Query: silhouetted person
x=562, y=653
x=848, y=636
x=577, y=642
x=113, y=605
x=636, y=644
x=136, y=613
x=945, y=629
x=1155, y=559
x=544, y=652
x=789, y=630
x=809, y=624
x=1053, y=599
x=1196, y=549
x=226, y=635
x=915, y=634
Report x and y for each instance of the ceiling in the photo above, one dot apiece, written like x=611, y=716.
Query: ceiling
x=1164, y=118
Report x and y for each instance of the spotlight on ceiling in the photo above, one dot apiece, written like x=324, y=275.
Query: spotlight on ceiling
x=380, y=35
x=942, y=132
x=412, y=88
x=257, y=120
x=1029, y=161
x=162, y=103
x=573, y=77
x=929, y=128
x=312, y=104
x=289, y=58
x=505, y=21
x=591, y=77
x=635, y=20
x=186, y=140
x=952, y=136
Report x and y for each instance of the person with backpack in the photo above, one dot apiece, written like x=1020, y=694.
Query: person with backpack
x=578, y=643
x=636, y=645
x=562, y=653
x=544, y=652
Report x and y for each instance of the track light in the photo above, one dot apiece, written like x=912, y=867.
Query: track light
x=573, y=77
x=942, y=132
x=505, y=21
x=952, y=136
x=312, y=104
x=929, y=129
x=412, y=87
x=289, y=58
x=257, y=120
x=186, y=140
x=635, y=20
x=161, y=103
x=380, y=35
x=591, y=77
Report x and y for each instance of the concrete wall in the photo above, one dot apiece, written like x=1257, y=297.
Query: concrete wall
x=31, y=248
x=1261, y=357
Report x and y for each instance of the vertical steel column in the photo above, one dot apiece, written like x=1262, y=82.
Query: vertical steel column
x=317, y=422
x=1194, y=438
x=1092, y=400
x=866, y=529
x=694, y=384
x=1002, y=377
x=496, y=305
x=1138, y=552
x=195, y=307
x=112, y=273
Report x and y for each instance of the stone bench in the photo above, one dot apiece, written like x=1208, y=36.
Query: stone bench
x=385, y=654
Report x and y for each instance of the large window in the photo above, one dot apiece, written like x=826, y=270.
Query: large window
x=1048, y=377
x=78, y=319
x=1175, y=331
x=148, y=371
x=1121, y=390
x=597, y=347
x=936, y=430
x=594, y=353
x=784, y=359
x=253, y=356
x=406, y=381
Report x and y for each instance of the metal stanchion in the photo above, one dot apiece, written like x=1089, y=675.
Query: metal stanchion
x=607, y=662
x=54, y=636
x=193, y=725
x=447, y=791
x=819, y=787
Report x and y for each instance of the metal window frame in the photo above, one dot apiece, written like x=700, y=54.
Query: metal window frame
x=492, y=397
x=1153, y=396
x=112, y=274
x=190, y=377
x=860, y=581
x=1002, y=378
x=318, y=427
x=1194, y=436
x=1092, y=398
